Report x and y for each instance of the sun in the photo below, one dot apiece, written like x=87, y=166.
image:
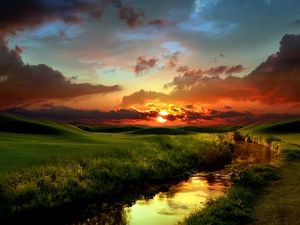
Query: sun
x=161, y=119
x=163, y=113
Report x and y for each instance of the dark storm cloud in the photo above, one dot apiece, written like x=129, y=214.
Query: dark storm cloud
x=20, y=82
x=277, y=80
x=19, y=14
x=143, y=64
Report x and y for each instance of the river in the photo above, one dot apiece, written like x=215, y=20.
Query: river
x=167, y=208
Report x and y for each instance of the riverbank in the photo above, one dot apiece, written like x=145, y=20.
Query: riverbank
x=277, y=188
x=281, y=203
x=57, y=189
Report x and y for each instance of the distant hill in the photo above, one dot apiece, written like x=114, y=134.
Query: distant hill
x=209, y=129
x=14, y=124
x=160, y=130
x=109, y=129
x=290, y=126
x=157, y=130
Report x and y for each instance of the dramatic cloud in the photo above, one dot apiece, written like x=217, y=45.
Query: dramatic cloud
x=192, y=76
x=276, y=80
x=188, y=78
x=181, y=115
x=216, y=71
x=20, y=82
x=228, y=70
x=143, y=64
x=142, y=96
x=19, y=14
x=65, y=114
x=128, y=13
x=235, y=69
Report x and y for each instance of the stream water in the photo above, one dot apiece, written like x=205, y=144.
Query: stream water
x=167, y=208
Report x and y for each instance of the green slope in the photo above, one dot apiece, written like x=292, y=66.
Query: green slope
x=283, y=127
x=109, y=129
x=157, y=130
x=160, y=130
x=13, y=124
x=25, y=143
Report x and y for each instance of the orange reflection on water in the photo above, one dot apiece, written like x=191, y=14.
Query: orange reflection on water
x=170, y=207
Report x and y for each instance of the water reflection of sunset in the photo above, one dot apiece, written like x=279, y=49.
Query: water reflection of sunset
x=169, y=207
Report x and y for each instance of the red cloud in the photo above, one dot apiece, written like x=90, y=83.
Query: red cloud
x=277, y=80
x=130, y=15
x=144, y=64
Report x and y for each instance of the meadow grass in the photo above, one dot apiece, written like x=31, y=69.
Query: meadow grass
x=41, y=172
x=261, y=194
x=281, y=203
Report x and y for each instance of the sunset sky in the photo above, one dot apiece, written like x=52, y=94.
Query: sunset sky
x=151, y=62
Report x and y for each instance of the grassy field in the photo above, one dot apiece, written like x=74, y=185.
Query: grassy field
x=281, y=203
x=46, y=165
x=278, y=188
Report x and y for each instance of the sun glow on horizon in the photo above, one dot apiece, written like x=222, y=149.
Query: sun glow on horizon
x=161, y=119
x=162, y=114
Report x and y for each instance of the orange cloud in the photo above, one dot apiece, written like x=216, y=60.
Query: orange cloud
x=275, y=81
